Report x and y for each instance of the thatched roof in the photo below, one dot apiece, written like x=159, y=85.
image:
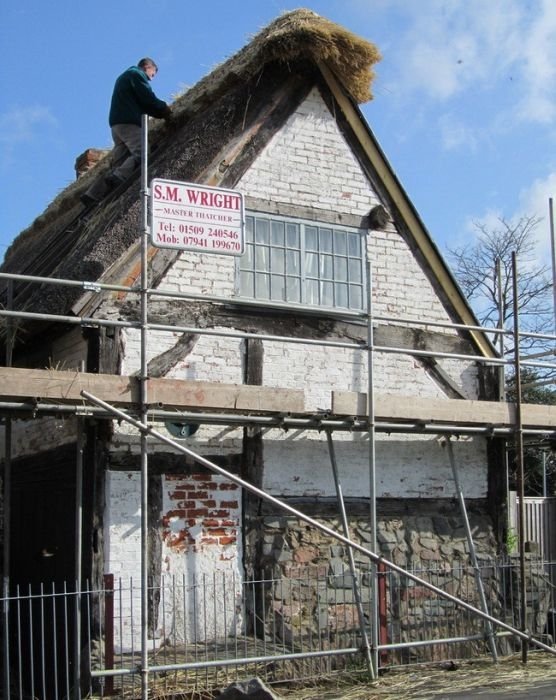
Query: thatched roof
x=294, y=37
x=221, y=125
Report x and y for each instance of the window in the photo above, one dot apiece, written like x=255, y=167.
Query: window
x=300, y=262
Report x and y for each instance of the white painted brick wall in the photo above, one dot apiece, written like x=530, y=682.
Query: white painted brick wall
x=309, y=164
x=201, y=556
x=407, y=466
x=213, y=359
x=122, y=553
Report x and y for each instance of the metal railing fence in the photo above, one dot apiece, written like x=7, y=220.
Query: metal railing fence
x=206, y=631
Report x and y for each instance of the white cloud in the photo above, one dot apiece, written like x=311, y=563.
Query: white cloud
x=447, y=48
x=538, y=52
x=23, y=123
x=534, y=201
x=455, y=134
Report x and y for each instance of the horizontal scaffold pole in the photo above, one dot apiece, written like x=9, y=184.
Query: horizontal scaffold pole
x=377, y=559
x=186, y=399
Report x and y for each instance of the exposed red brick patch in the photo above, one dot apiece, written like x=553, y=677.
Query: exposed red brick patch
x=197, y=494
x=217, y=531
x=197, y=512
x=227, y=540
x=186, y=505
x=212, y=522
x=88, y=159
x=219, y=513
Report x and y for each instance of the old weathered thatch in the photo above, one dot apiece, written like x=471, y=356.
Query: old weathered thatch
x=296, y=39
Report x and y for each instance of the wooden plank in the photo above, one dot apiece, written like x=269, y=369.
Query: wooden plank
x=18, y=384
x=54, y=386
x=389, y=407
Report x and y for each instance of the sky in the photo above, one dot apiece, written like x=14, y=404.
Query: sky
x=464, y=97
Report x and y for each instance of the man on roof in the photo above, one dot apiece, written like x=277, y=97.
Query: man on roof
x=132, y=97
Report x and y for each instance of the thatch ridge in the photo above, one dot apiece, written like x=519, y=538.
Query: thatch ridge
x=294, y=36
x=300, y=34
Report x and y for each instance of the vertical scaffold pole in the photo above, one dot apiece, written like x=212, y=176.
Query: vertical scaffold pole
x=472, y=554
x=143, y=400
x=553, y=255
x=78, y=558
x=502, y=368
x=356, y=587
x=519, y=460
x=7, y=495
x=372, y=468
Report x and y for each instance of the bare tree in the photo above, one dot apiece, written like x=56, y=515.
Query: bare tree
x=474, y=266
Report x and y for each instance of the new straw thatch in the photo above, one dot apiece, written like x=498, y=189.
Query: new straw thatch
x=301, y=34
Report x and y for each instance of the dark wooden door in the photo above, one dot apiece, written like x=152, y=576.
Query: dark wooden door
x=42, y=572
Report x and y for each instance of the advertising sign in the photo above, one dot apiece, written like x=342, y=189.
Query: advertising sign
x=195, y=217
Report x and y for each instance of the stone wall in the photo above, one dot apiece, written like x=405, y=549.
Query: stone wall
x=311, y=596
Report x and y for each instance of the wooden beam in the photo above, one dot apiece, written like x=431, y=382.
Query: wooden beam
x=55, y=386
x=389, y=407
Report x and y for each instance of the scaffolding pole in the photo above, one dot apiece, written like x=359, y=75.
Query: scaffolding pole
x=316, y=422
x=144, y=409
x=472, y=554
x=78, y=559
x=371, y=431
x=501, y=374
x=7, y=533
x=553, y=256
x=260, y=493
x=371, y=668
x=519, y=459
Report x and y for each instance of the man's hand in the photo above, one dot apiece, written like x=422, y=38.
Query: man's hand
x=168, y=115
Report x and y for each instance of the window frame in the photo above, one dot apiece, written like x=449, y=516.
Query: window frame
x=304, y=277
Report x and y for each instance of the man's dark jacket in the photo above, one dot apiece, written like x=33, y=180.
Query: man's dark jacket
x=132, y=97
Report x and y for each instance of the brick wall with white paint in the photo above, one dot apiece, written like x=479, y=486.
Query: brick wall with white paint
x=407, y=466
x=202, y=554
x=308, y=163
x=122, y=553
x=212, y=359
x=200, y=548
